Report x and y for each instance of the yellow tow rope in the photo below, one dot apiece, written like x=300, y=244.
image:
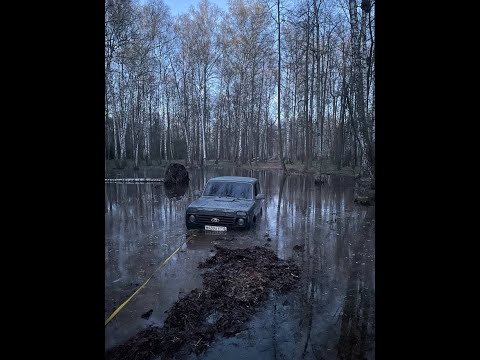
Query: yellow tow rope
x=143, y=285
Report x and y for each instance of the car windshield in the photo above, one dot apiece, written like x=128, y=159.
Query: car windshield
x=230, y=189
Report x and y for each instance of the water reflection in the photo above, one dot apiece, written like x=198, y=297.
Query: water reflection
x=333, y=311
x=176, y=192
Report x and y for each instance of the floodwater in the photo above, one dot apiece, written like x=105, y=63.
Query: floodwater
x=330, y=316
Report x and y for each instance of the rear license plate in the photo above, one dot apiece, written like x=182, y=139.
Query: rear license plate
x=215, y=228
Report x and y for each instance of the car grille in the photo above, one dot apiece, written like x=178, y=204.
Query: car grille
x=224, y=220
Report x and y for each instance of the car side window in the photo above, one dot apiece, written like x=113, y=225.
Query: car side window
x=256, y=189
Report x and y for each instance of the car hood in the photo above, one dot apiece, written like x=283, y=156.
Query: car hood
x=221, y=204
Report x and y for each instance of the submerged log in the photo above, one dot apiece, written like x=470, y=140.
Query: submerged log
x=147, y=180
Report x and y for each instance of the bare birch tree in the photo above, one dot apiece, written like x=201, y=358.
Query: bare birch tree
x=202, y=85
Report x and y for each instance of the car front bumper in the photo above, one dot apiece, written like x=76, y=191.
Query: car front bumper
x=228, y=221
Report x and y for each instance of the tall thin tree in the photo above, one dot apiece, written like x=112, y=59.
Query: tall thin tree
x=282, y=160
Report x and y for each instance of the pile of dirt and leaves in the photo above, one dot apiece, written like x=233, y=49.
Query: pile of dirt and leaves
x=236, y=282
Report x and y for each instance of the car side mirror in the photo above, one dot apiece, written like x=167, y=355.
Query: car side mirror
x=260, y=197
x=197, y=193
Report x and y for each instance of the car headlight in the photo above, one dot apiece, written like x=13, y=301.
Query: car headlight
x=191, y=218
x=241, y=213
x=241, y=222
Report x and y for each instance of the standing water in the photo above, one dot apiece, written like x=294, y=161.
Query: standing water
x=330, y=315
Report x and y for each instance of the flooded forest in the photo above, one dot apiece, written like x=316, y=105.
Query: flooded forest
x=277, y=93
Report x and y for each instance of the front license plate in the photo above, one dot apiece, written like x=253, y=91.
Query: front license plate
x=215, y=228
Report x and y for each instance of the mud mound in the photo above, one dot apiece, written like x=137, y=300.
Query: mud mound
x=236, y=283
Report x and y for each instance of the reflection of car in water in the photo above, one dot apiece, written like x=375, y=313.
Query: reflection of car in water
x=227, y=202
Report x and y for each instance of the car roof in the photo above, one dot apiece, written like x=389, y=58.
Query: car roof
x=234, y=178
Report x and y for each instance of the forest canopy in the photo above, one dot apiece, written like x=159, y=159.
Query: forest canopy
x=205, y=85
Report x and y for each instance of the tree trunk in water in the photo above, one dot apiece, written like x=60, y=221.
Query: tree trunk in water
x=229, y=119
x=150, y=129
x=257, y=136
x=132, y=127
x=357, y=139
x=343, y=102
x=364, y=53
x=267, y=136
x=310, y=115
x=317, y=32
x=136, y=155
x=204, y=114
x=307, y=128
x=168, y=146
x=252, y=107
x=122, y=119
x=282, y=160
x=294, y=112
x=359, y=86
x=185, y=122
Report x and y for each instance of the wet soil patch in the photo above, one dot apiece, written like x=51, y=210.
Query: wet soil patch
x=236, y=282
